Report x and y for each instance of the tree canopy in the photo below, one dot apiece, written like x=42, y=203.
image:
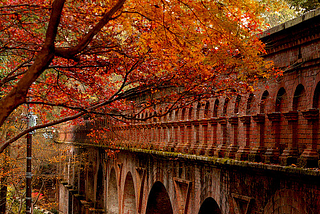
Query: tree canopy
x=68, y=58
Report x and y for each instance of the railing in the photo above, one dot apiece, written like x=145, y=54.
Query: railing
x=289, y=138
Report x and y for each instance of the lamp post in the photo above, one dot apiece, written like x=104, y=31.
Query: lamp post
x=32, y=120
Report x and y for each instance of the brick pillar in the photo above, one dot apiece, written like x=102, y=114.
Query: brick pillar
x=173, y=136
x=233, y=147
x=147, y=136
x=310, y=156
x=162, y=136
x=203, y=138
x=195, y=137
x=272, y=154
x=156, y=143
x=188, y=135
x=244, y=150
x=213, y=141
x=256, y=154
x=171, y=141
x=182, y=140
x=132, y=135
x=222, y=147
x=291, y=153
x=142, y=135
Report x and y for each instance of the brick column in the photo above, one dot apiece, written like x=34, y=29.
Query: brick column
x=256, y=154
x=203, y=137
x=213, y=141
x=188, y=135
x=222, y=147
x=143, y=136
x=233, y=147
x=168, y=137
x=290, y=154
x=182, y=140
x=174, y=140
x=244, y=150
x=195, y=137
x=157, y=136
x=272, y=154
x=133, y=134
x=162, y=136
x=310, y=156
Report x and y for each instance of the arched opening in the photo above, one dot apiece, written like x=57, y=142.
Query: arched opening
x=198, y=110
x=215, y=108
x=237, y=104
x=129, y=197
x=225, y=106
x=183, y=114
x=99, y=194
x=190, y=113
x=316, y=97
x=263, y=103
x=170, y=116
x=280, y=100
x=206, y=109
x=249, y=104
x=297, y=98
x=287, y=201
x=158, y=200
x=112, y=197
x=209, y=206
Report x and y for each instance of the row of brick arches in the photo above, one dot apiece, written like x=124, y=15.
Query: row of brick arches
x=150, y=184
x=158, y=201
x=272, y=125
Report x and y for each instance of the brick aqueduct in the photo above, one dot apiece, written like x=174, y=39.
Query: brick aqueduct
x=256, y=153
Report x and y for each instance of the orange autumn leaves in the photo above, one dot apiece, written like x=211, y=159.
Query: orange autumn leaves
x=102, y=49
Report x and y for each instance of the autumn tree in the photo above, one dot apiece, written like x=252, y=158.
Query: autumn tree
x=46, y=156
x=88, y=57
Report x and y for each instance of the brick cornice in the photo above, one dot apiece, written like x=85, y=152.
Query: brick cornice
x=259, y=118
x=245, y=119
x=233, y=120
x=311, y=114
x=274, y=116
x=291, y=115
x=222, y=120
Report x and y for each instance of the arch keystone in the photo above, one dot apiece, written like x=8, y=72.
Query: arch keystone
x=182, y=188
x=241, y=203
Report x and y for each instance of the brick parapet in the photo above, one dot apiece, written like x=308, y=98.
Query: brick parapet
x=285, y=105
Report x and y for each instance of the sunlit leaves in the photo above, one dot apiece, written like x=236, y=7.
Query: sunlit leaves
x=95, y=64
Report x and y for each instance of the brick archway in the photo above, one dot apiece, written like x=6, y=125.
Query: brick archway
x=159, y=200
x=316, y=97
x=112, y=194
x=288, y=202
x=209, y=206
x=129, y=196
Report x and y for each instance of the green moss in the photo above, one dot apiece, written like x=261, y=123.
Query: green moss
x=214, y=161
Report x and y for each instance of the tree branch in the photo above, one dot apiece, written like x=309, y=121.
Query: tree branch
x=70, y=53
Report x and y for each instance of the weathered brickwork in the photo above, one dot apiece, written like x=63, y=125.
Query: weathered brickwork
x=251, y=153
x=168, y=183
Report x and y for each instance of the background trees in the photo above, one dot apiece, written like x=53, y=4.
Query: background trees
x=65, y=59
x=81, y=57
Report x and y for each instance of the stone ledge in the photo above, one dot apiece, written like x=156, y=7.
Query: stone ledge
x=219, y=162
x=291, y=23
